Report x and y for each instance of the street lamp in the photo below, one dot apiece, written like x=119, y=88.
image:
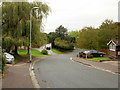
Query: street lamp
x=30, y=31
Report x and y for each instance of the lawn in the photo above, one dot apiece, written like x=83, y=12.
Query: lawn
x=34, y=52
x=57, y=51
x=60, y=52
x=98, y=58
x=23, y=55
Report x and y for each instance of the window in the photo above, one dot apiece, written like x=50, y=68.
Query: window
x=112, y=47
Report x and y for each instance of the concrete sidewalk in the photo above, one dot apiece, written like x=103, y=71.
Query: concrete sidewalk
x=18, y=76
x=105, y=65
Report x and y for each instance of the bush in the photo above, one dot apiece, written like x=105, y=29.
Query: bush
x=3, y=63
x=45, y=52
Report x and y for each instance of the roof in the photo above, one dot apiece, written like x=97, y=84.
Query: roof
x=116, y=42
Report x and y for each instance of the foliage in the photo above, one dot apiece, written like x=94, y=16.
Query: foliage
x=74, y=34
x=16, y=23
x=51, y=37
x=87, y=38
x=97, y=38
x=60, y=39
x=3, y=63
x=61, y=32
x=45, y=52
x=63, y=44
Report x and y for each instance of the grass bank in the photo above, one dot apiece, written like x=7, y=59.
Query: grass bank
x=34, y=52
x=23, y=55
x=60, y=52
x=99, y=58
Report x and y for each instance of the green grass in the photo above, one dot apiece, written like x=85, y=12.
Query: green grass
x=22, y=52
x=60, y=52
x=34, y=52
x=23, y=55
x=37, y=53
x=98, y=58
x=57, y=51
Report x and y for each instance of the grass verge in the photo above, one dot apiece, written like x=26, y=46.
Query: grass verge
x=23, y=55
x=60, y=52
x=34, y=52
x=98, y=58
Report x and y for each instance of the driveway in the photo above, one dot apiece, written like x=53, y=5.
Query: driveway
x=60, y=72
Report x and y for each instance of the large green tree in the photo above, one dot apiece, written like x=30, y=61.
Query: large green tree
x=16, y=23
x=88, y=38
x=97, y=38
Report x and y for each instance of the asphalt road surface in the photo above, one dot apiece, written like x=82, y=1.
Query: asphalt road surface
x=61, y=72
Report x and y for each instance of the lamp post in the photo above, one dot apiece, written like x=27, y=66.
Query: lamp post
x=30, y=31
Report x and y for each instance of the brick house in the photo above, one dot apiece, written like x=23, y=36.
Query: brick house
x=114, y=48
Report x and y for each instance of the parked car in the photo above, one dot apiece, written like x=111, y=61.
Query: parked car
x=90, y=54
x=48, y=48
x=9, y=58
x=96, y=53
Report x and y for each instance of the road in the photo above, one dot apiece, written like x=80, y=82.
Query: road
x=61, y=72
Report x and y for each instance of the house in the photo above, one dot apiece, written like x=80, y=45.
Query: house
x=114, y=49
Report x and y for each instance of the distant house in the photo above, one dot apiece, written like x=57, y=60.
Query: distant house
x=114, y=48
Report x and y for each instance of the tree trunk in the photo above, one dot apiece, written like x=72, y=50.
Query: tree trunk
x=8, y=49
x=28, y=49
x=16, y=49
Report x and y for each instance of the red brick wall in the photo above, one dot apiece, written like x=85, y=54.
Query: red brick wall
x=112, y=53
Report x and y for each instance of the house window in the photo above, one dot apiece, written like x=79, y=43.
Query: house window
x=118, y=52
x=112, y=47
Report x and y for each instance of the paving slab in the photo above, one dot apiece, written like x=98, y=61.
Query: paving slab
x=18, y=76
x=107, y=66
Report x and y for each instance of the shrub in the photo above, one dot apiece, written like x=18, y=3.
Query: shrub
x=45, y=52
x=3, y=63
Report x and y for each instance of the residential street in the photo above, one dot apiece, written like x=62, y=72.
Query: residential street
x=61, y=72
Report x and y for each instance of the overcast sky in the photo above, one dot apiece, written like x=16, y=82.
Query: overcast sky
x=76, y=14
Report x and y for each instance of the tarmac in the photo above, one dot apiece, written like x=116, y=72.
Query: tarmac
x=19, y=75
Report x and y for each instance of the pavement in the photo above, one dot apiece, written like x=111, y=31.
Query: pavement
x=110, y=66
x=17, y=76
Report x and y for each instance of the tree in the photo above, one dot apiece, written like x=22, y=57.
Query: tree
x=61, y=32
x=107, y=31
x=16, y=21
x=97, y=38
x=87, y=38
x=74, y=34
x=63, y=44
